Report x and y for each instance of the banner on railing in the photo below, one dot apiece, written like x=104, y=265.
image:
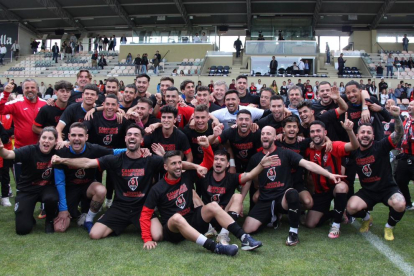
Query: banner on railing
x=8, y=34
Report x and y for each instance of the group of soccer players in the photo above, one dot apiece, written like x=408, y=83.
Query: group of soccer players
x=180, y=163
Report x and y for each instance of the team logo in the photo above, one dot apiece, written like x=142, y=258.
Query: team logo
x=16, y=206
x=271, y=173
x=243, y=153
x=200, y=150
x=366, y=169
x=133, y=183
x=80, y=173
x=316, y=157
x=180, y=202
x=107, y=139
x=387, y=126
x=216, y=198
x=179, y=118
x=325, y=158
x=47, y=173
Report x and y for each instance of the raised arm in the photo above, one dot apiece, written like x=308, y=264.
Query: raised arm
x=398, y=133
x=348, y=125
x=84, y=163
x=5, y=153
x=342, y=106
x=313, y=167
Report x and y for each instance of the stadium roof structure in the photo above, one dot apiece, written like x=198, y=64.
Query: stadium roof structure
x=80, y=16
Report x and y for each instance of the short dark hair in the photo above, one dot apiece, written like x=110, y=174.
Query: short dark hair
x=276, y=97
x=167, y=79
x=325, y=82
x=352, y=82
x=303, y=104
x=291, y=119
x=184, y=84
x=241, y=77
x=172, y=88
x=146, y=100
x=112, y=79
x=134, y=125
x=201, y=108
x=244, y=111
x=222, y=152
x=78, y=125
x=111, y=96
x=169, y=109
x=131, y=85
x=93, y=87
x=232, y=91
x=317, y=122
x=203, y=88
x=365, y=124
x=171, y=153
x=268, y=89
x=62, y=84
x=143, y=76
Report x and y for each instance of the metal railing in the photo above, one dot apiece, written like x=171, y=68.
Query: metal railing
x=285, y=47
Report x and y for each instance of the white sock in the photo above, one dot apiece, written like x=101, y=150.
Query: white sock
x=337, y=225
x=367, y=216
x=224, y=231
x=201, y=240
x=294, y=230
x=389, y=226
x=90, y=216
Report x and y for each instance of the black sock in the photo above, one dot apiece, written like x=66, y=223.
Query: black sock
x=51, y=211
x=326, y=216
x=210, y=245
x=394, y=217
x=233, y=215
x=360, y=214
x=292, y=198
x=236, y=230
x=339, y=207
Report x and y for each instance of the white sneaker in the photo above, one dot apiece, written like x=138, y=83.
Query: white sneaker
x=5, y=202
x=211, y=233
x=108, y=203
x=81, y=219
x=223, y=239
x=409, y=208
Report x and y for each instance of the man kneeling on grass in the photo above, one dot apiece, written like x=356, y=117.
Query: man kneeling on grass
x=173, y=196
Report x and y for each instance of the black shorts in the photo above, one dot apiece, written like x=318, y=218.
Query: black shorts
x=262, y=210
x=372, y=198
x=118, y=218
x=76, y=194
x=196, y=221
x=322, y=201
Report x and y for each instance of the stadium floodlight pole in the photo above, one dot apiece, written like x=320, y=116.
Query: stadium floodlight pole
x=57, y=9
x=116, y=7
x=11, y=16
x=382, y=11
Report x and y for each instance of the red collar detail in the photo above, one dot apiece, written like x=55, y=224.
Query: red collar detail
x=171, y=182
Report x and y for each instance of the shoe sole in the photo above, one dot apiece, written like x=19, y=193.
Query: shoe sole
x=250, y=248
x=333, y=237
x=292, y=243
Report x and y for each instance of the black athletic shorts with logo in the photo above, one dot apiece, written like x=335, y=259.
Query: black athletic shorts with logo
x=76, y=194
x=262, y=210
x=372, y=198
x=322, y=201
x=118, y=218
x=196, y=221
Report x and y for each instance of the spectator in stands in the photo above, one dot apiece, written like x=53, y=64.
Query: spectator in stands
x=361, y=84
x=211, y=86
x=382, y=85
x=404, y=63
x=189, y=73
x=410, y=63
x=137, y=63
x=328, y=53
x=373, y=90
x=182, y=73
x=55, y=51
x=391, y=95
x=94, y=59
x=341, y=88
x=232, y=84
x=111, y=44
x=308, y=86
x=307, y=68
x=157, y=53
x=96, y=42
x=34, y=45
x=301, y=66
x=396, y=62
x=379, y=69
x=237, y=45
x=100, y=43
x=204, y=38
x=295, y=68
x=101, y=86
x=155, y=62
x=274, y=87
x=398, y=91
x=42, y=88
x=102, y=62
x=409, y=91
x=49, y=92
x=405, y=43
x=273, y=66
x=341, y=64
x=68, y=50
x=198, y=85
x=123, y=39
x=316, y=87
x=129, y=58
x=174, y=72
x=283, y=91
x=105, y=42
x=253, y=89
x=259, y=85
x=3, y=51
x=196, y=38
x=301, y=85
x=15, y=48
x=20, y=89
x=121, y=85
x=144, y=63
x=390, y=65
x=384, y=97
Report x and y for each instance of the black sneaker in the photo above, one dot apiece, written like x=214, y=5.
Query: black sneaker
x=292, y=239
x=49, y=227
x=230, y=250
x=248, y=243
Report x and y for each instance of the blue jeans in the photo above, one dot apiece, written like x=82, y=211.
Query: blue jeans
x=328, y=57
x=156, y=70
x=55, y=57
x=405, y=47
x=389, y=70
x=143, y=69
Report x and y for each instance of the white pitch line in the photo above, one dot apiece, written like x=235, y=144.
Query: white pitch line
x=385, y=250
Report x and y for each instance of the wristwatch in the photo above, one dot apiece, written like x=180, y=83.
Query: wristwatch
x=365, y=108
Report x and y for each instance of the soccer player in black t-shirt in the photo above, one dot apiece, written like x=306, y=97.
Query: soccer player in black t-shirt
x=203, y=96
x=168, y=136
x=36, y=181
x=324, y=190
x=245, y=97
x=129, y=98
x=277, y=107
x=50, y=115
x=83, y=78
x=275, y=186
x=76, y=112
x=374, y=171
x=142, y=113
x=173, y=196
x=132, y=174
